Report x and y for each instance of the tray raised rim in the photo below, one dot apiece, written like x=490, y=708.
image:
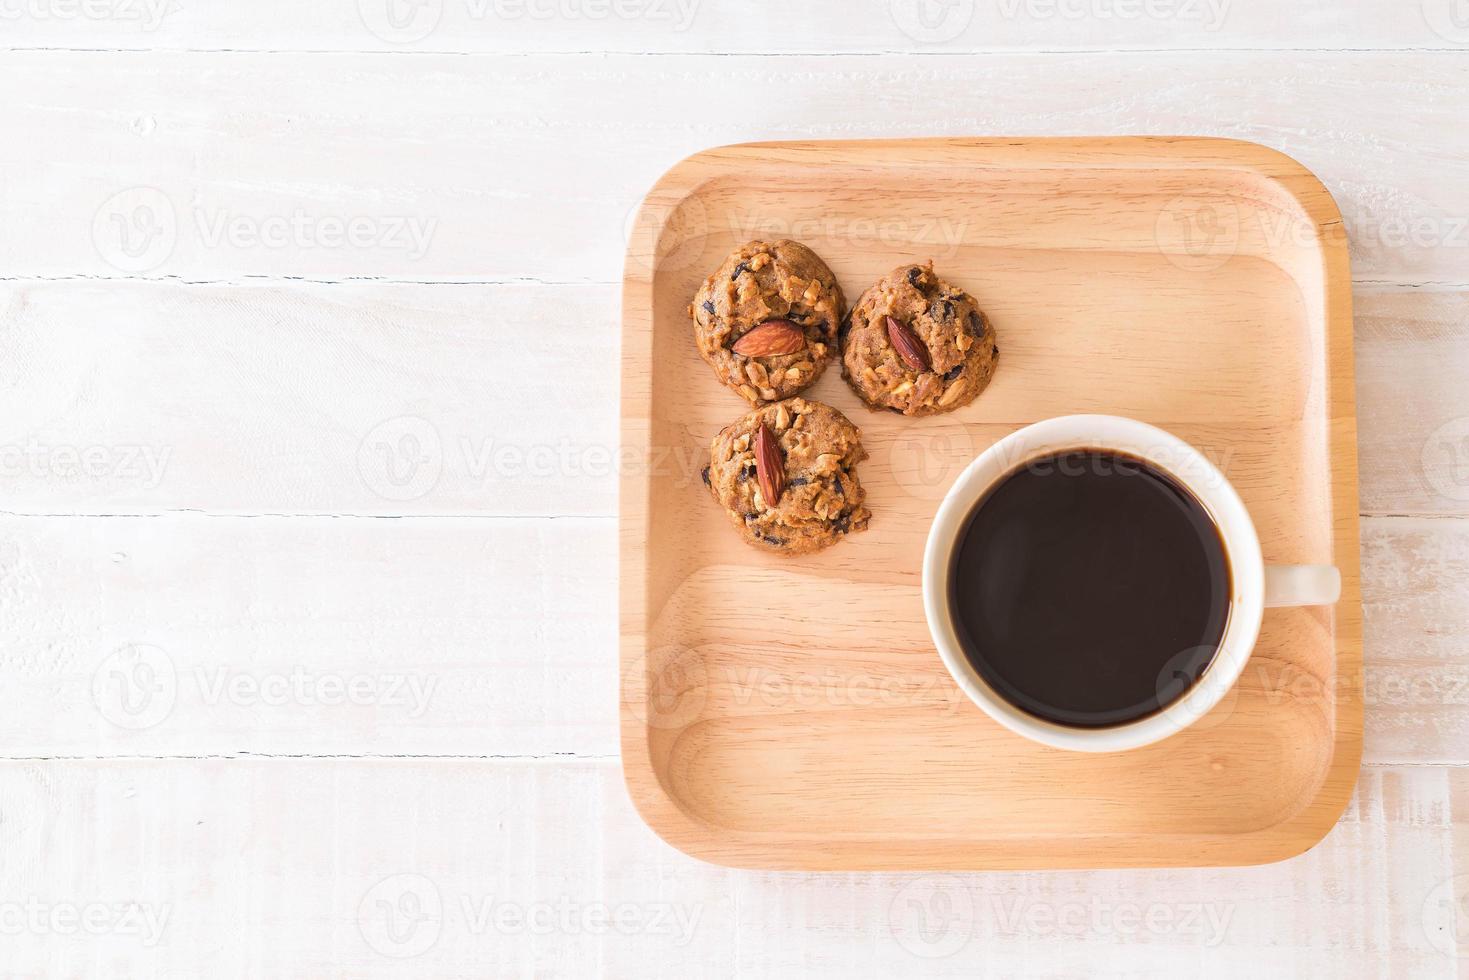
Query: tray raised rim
x=1307, y=825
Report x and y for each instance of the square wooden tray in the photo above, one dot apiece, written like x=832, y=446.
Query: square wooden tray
x=792, y=713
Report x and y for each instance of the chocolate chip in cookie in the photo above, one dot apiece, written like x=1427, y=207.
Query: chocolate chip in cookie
x=805, y=495
x=766, y=320
x=917, y=345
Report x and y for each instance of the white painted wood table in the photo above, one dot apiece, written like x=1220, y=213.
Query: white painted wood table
x=309, y=646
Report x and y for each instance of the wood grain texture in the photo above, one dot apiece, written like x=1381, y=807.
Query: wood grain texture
x=509, y=883
x=530, y=164
x=349, y=399
x=1416, y=623
x=710, y=755
x=336, y=375
x=487, y=641
x=217, y=636
x=642, y=26
x=438, y=181
x=512, y=658
x=1412, y=366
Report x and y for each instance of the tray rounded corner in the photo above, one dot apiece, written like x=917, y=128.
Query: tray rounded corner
x=1293, y=178
x=1284, y=827
x=648, y=222
x=661, y=813
x=1315, y=821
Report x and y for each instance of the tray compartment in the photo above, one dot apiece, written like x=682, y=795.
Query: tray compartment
x=793, y=713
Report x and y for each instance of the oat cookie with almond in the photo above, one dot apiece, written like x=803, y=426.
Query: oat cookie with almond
x=916, y=345
x=786, y=475
x=766, y=320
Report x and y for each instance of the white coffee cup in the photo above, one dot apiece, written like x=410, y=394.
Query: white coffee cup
x=1255, y=585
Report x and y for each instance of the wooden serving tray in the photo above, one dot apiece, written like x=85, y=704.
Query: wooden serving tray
x=793, y=713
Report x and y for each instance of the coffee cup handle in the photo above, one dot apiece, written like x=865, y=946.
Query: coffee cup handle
x=1301, y=585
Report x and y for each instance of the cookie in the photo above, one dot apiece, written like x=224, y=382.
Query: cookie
x=766, y=321
x=916, y=345
x=786, y=474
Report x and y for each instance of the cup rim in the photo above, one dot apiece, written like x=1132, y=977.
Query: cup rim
x=1189, y=468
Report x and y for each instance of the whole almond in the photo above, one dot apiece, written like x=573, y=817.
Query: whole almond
x=770, y=338
x=908, y=346
x=770, y=466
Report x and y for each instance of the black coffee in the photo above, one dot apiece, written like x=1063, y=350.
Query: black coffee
x=1089, y=588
